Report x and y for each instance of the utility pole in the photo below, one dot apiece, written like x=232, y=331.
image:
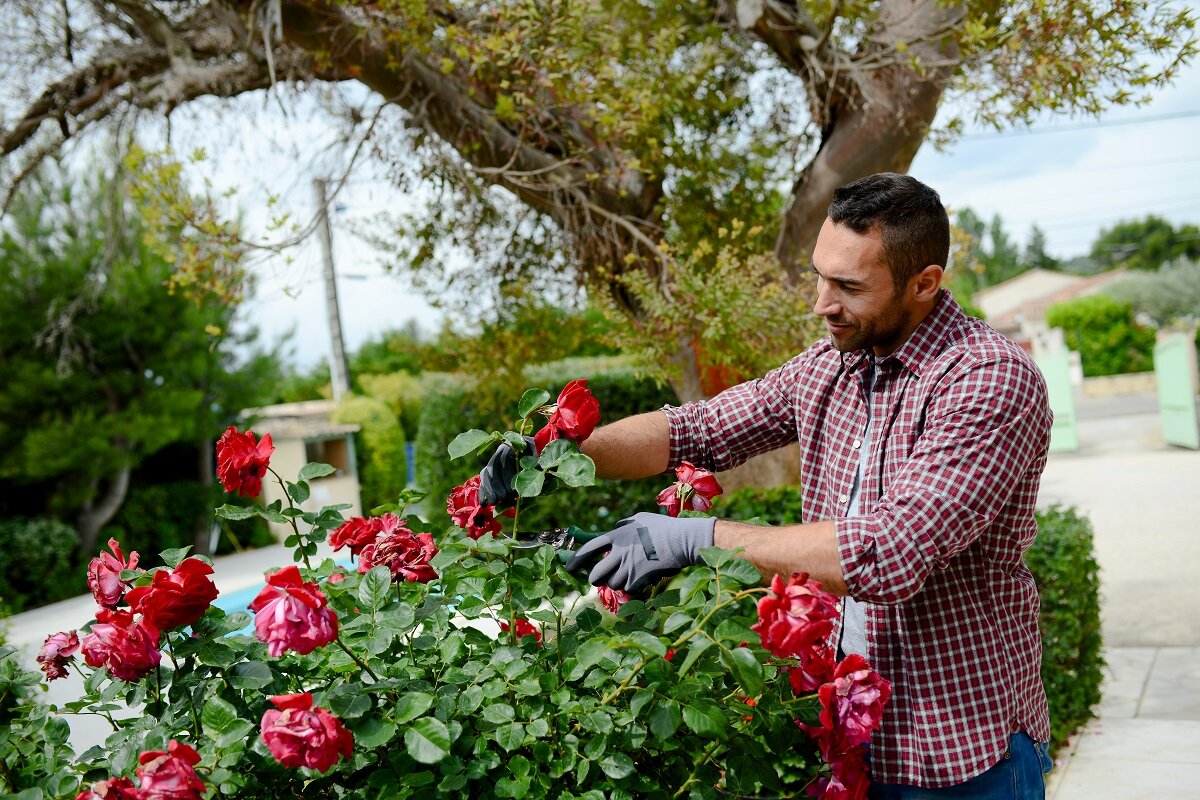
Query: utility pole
x=339, y=374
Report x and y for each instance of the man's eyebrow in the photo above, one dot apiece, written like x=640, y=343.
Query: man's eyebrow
x=851, y=283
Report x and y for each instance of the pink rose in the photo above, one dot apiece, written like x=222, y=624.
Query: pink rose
x=241, y=462
x=300, y=735
x=356, y=532
x=524, y=628
x=693, y=490
x=816, y=668
x=127, y=648
x=795, y=616
x=104, y=575
x=405, y=554
x=170, y=775
x=852, y=703
x=176, y=598
x=612, y=599
x=849, y=781
x=112, y=789
x=464, y=508
x=290, y=614
x=575, y=416
x=57, y=651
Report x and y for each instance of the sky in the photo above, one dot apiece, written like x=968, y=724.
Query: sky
x=1072, y=177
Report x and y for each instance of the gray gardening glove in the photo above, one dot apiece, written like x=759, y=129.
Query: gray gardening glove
x=643, y=549
x=496, y=479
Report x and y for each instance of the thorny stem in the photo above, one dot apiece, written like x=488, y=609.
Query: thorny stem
x=362, y=665
x=292, y=520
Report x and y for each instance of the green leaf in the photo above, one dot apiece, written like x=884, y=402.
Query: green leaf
x=715, y=557
x=172, y=557
x=677, y=620
x=499, y=713
x=647, y=642
x=218, y=715
x=591, y=652
x=373, y=732
x=250, y=675
x=576, y=470
x=271, y=515
x=695, y=650
x=531, y=401
x=665, y=719
x=470, y=700
x=298, y=491
x=704, y=719
x=236, y=512
x=373, y=591
x=428, y=740
x=555, y=452
x=412, y=705
x=237, y=732
x=746, y=669
x=742, y=571
x=529, y=482
x=315, y=469
x=468, y=442
x=510, y=736
x=617, y=765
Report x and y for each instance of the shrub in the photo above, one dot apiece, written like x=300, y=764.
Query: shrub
x=382, y=464
x=778, y=505
x=451, y=406
x=402, y=392
x=1104, y=333
x=1064, y=565
x=38, y=562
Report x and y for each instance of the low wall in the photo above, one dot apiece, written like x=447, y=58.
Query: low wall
x=1112, y=385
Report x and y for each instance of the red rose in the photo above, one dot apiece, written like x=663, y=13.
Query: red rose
x=104, y=575
x=693, y=490
x=612, y=599
x=299, y=735
x=128, y=649
x=170, y=775
x=112, y=789
x=175, y=598
x=242, y=463
x=356, y=532
x=852, y=703
x=575, y=416
x=337, y=576
x=57, y=651
x=524, y=628
x=849, y=781
x=290, y=614
x=816, y=668
x=405, y=554
x=464, y=508
x=795, y=616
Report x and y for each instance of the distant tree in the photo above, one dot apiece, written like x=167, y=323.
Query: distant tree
x=1145, y=244
x=1035, y=255
x=1169, y=296
x=103, y=364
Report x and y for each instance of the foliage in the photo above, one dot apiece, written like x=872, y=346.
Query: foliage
x=1104, y=333
x=1145, y=244
x=777, y=505
x=38, y=563
x=451, y=403
x=379, y=446
x=988, y=253
x=1063, y=563
x=401, y=392
x=672, y=696
x=1169, y=296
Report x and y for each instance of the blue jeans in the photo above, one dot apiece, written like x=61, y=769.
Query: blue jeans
x=1017, y=776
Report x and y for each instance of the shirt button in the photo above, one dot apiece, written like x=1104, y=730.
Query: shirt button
x=843, y=498
x=857, y=444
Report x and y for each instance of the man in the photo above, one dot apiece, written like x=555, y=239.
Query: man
x=923, y=436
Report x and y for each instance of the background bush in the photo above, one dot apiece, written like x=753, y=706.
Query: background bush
x=379, y=448
x=1063, y=563
x=451, y=406
x=778, y=505
x=1104, y=333
x=38, y=563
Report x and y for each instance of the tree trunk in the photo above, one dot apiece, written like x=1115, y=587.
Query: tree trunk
x=95, y=515
x=202, y=536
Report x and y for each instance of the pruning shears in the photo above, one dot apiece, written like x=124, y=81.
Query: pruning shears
x=565, y=541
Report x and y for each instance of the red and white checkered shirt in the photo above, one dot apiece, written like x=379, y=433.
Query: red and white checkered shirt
x=962, y=426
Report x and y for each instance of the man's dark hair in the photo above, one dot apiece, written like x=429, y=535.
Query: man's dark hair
x=910, y=215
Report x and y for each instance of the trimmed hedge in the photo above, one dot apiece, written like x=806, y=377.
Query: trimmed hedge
x=379, y=445
x=451, y=407
x=1064, y=565
x=38, y=563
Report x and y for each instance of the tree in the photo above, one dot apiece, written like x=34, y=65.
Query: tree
x=628, y=132
x=1145, y=244
x=103, y=365
x=1035, y=255
x=1170, y=296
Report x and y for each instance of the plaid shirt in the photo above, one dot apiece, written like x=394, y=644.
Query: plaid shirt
x=962, y=425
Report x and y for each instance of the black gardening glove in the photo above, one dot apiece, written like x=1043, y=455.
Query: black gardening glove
x=496, y=479
x=643, y=549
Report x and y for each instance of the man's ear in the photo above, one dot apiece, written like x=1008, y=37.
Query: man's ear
x=925, y=284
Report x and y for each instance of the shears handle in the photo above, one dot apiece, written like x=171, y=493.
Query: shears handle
x=577, y=537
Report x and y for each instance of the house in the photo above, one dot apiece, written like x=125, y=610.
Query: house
x=303, y=433
x=1017, y=307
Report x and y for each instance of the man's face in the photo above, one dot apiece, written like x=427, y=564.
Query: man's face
x=855, y=293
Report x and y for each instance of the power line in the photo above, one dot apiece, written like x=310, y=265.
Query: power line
x=1083, y=126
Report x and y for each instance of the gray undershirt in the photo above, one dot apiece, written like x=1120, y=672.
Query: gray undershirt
x=854, y=617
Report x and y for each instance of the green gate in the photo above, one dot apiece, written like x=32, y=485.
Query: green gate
x=1175, y=372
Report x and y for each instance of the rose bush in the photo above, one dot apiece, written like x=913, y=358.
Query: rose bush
x=460, y=663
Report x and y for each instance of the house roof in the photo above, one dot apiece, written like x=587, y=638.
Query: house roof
x=308, y=420
x=1028, y=295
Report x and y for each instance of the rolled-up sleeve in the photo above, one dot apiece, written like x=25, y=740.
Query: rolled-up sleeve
x=740, y=422
x=981, y=435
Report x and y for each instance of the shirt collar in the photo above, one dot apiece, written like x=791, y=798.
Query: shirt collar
x=925, y=343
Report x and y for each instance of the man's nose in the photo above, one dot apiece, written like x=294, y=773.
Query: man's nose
x=826, y=306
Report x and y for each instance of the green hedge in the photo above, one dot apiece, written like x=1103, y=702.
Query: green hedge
x=451, y=407
x=379, y=446
x=1064, y=565
x=38, y=563
x=778, y=505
